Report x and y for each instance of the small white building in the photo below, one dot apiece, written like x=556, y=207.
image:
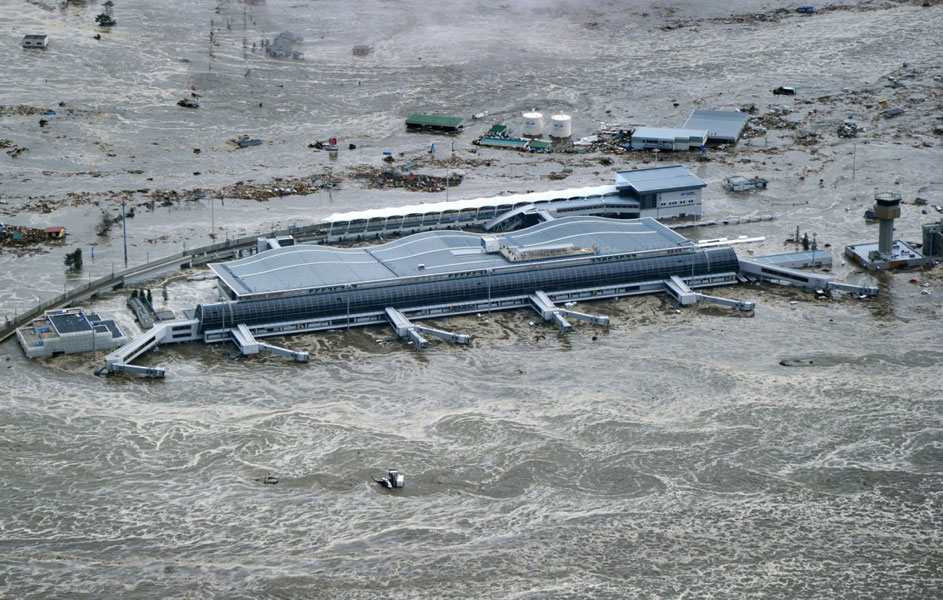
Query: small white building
x=663, y=192
x=35, y=40
x=68, y=331
x=664, y=138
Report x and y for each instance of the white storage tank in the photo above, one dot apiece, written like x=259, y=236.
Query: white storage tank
x=533, y=124
x=561, y=126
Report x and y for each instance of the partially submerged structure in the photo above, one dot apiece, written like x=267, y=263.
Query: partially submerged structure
x=283, y=45
x=933, y=239
x=35, y=40
x=303, y=287
x=739, y=183
x=723, y=126
x=665, y=138
x=421, y=122
x=663, y=192
x=56, y=232
x=69, y=331
x=887, y=252
x=659, y=192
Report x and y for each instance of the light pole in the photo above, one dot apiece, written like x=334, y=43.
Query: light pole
x=347, y=290
x=212, y=219
x=854, y=170
x=490, y=271
x=124, y=231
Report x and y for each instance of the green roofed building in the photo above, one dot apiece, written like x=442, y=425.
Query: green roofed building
x=498, y=130
x=434, y=122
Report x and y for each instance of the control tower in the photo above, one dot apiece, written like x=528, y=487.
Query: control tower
x=888, y=252
x=886, y=209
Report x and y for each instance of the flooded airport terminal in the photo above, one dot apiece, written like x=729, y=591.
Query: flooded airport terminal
x=499, y=300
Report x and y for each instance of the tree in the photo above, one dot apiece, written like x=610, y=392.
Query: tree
x=150, y=298
x=73, y=260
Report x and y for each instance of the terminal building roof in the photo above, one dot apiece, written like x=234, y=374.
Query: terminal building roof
x=659, y=179
x=305, y=268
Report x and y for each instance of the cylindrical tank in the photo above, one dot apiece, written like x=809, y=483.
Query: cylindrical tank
x=561, y=126
x=533, y=124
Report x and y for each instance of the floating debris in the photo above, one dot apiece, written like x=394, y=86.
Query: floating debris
x=392, y=480
x=104, y=20
x=244, y=141
x=375, y=178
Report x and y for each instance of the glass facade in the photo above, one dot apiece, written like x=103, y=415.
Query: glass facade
x=460, y=288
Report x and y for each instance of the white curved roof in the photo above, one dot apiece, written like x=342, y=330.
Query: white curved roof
x=437, y=207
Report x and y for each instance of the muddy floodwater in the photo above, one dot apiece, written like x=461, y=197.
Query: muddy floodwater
x=670, y=455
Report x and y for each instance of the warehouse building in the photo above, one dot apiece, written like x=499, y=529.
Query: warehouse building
x=664, y=138
x=723, y=126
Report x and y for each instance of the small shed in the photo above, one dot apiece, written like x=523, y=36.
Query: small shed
x=55, y=233
x=35, y=40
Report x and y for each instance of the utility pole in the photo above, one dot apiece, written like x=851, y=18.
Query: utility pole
x=813, y=249
x=854, y=169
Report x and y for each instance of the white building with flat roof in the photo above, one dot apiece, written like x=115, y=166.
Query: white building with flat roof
x=666, y=138
x=68, y=331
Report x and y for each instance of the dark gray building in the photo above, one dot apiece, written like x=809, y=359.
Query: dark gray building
x=663, y=192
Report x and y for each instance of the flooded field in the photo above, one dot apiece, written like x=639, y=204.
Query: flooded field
x=668, y=456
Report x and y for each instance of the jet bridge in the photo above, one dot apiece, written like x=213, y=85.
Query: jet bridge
x=408, y=330
x=161, y=333
x=250, y=346
x=542, y=303
x=810, y=281
x=679, y=290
